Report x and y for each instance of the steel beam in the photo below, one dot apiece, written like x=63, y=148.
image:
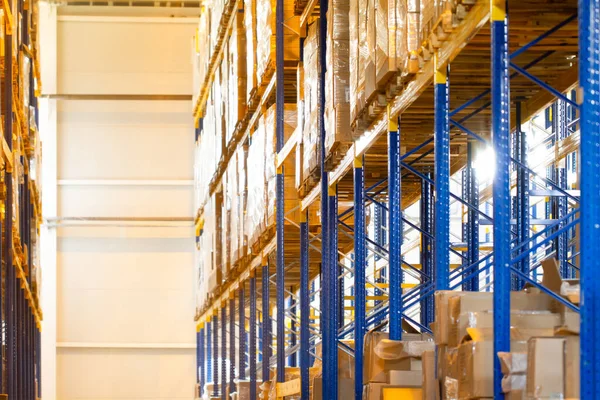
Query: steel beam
x=442, y=178
x=201, y=361
x=267, y=339
x=523, y=194
x=304, y=310
x=232, y=346
x=589, y=81
x=209, y=355
x=224, y=351
x=427, y=243
x=242, y=334
x=216, y=355
x=360, y=266
x=252, y=352
x=501, y=186
x=332, y=301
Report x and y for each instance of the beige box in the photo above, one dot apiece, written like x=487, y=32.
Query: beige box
x=431, y=388
x=406, y=378
x=545, y=367
x=345, y=388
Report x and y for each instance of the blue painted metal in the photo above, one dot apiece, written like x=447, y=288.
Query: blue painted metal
x=304, y=311
x=242, y=334
x=543, y=84
x=267, y=324
x=522, y=199
x=562, y=244
x=360, y=265
x=209, y=356
x=427, y=243
x=292, y=358
x=232, y=345
x=589, y=81
x=442, y=180
x=501, y=142
x=252, y=351
x=215, y=363
x=334, y=291
x=200, y=359
x=224, y=351
x=471, y=229
x=395, y=229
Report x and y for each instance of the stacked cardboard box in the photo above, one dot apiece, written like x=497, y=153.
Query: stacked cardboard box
x=463, y=332
x=265, y=37
x=310, y=128
x=395, y=368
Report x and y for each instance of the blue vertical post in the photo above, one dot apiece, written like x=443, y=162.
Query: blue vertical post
x=209, y=356
x=522, y=196
x=267, y=324
x=360, y=266
x=200, y=366
x=473, y=215
x=242, y=334
x=216, y=354
x=224, y=350
x=252, y=351
x=442, y=177
x=333, y=290
x=379, y=236
x=562, y=244
x=501, y=141
x=427, y=310
x=395, y=227
x=589, y=81
x=326, y=311
x=304, y=309
x=280, y=197
x=232, y=343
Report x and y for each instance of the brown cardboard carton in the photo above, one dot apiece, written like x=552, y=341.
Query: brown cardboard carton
x=430, y=383
x=524, y=325
x=345, y=361
x=572, y=366
x=545, y=367
x=476, y=378
x=440, y=332
x=406, y=378
x=345, y=388
x=375, y=367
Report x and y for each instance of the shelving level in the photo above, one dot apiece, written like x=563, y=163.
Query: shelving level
x=20, y=148
x=456, y=148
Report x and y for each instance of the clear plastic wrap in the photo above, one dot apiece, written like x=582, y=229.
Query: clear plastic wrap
x=264, y=31
x=250, y=56
x=243, y=194
x=388, y=349
x=353, y=57
x=571, y=291
x=256, y=205
x=310, y=133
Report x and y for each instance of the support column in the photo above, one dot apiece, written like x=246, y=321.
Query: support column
x=216, y=354
x=304, y=309
x=500, y=139
x=232, y=346
x=442, y=178
x=224, y=350
x=589, y=80
x=267, y=324
x=201, y=363
x=522, y=198
x=427, y=310
x=252, y=352
x=473, y=217
x=242, y=334
x=561, y=201
x=395, y=228
x=209, y=355
x=333, y=290
x=360, y=266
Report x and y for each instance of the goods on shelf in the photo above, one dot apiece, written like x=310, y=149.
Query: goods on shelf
x=310, y=127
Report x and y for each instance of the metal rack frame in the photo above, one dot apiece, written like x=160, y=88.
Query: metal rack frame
x=514, y=249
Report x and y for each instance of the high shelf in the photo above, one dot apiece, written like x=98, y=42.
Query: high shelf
x=464, y=175
x=20, y=310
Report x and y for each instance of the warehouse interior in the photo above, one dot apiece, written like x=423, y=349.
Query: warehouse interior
x=299, y=199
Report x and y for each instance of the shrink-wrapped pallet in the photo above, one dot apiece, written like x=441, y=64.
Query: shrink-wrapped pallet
x=250, y=56
x=310, y=130
x=236, y=61
x=256, y=201
x=337, y=78
x=265, y=34
x=242, y=154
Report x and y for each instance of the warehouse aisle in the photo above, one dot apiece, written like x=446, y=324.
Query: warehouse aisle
x=118, y=205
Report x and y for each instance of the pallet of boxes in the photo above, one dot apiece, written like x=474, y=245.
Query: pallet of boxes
x=399, y=369
x=544, y=341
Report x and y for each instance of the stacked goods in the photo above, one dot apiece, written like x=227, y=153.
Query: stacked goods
x=337, y=79
x=345, y=373
x=236, y=62
x=544, y=357
x=310, y=127
x=260, y=207
x=265, y=35
x=250, y=55
x=395, y=368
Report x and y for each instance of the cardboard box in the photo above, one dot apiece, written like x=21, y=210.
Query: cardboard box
x=375, y=367
x=572, y=367
x=406, y=378
x=345, y=361
x=524, y=325
x=431, y=388
x=546, y=367
x=345, y=388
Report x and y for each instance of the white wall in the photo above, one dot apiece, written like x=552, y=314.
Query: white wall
x=124, y=295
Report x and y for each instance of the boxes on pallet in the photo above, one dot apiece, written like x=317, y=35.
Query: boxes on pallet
x=345, y=388
x=553, y=367
x=236, y=75
x=345, y=361
x=514, y=370
x=265, y=35
x=383, y=355
x=250, y=54
x=431, y=388
x=310, y=127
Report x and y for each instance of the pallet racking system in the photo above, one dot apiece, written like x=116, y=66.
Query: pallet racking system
x=328, y=280
x=20, y=310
